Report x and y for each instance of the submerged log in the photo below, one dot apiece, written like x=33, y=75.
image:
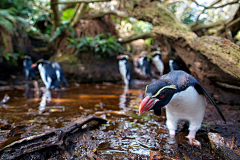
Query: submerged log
x=53, y=140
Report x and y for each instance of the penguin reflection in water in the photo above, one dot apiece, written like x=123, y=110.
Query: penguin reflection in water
x=47, y=73
x=184, y=99
x=125, y=69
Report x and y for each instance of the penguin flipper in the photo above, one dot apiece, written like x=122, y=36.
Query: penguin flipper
x=199, y=86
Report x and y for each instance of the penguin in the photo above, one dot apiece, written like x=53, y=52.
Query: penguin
x=178, y=64
x=125, y=69
x=157, y=60
x=144, y=63
x=59, y=72
x=47, y=73
x=184, y=98
x=29, y=72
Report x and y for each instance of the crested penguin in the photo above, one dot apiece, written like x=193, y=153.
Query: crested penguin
x=184, y=99
x=144, y=63
x=59, y=72
x=29, y=72
x=125, y=69
x=157, y=60
x=47, y=73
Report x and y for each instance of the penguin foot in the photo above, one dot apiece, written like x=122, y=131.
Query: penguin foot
x=193, y=141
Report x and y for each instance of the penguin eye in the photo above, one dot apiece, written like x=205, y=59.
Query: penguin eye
x=161, y=95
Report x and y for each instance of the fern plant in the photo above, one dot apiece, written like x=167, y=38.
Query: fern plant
x=106, y=46
x=7, y=19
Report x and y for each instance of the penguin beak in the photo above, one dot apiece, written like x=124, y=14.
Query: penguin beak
x=146, y=104
x=118, y=57
x=33, y=65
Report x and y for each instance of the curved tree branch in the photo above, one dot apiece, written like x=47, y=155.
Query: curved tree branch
x=135, y=37
x=81, y=1
x=97, y=15
x=78, y=14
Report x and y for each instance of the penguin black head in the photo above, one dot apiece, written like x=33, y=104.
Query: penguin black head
x=122, y=57
x=26, y=57
x=40, y=61
x=157, y=95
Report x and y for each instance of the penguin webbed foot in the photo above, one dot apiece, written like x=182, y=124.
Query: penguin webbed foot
x=191, y=138
x=193, y=142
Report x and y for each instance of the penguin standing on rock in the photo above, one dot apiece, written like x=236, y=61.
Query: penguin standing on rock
x=47, y=73
x=29, y=72
x=157, y=60
x=184, y=99
x=125, y=69
x=59, y=72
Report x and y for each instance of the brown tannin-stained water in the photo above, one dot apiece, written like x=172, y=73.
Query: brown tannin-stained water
x=128, y=135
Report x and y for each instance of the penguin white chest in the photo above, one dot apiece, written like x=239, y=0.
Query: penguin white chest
x=122, y=68
x=186, y=105
x=159, y=64
x=46, y=79
x=123, y=71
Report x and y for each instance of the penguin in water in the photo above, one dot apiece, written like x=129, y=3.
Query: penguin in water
x=144, y=63
x=59, y=72
x=125, y=69
x=184, y=99
x=157, y=60
x=47, y=73
x=29, y=72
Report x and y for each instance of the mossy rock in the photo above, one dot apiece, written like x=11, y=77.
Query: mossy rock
x=88, y=67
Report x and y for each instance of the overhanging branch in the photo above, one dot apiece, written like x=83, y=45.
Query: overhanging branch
x=135, y=37
x=81, y=1
x=78, y=14
x=97, y=15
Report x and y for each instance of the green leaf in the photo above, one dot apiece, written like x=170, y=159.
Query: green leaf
x=68, y=14
x=57, y=32
x=97, y=49
x=80, y=45
x=6, y=24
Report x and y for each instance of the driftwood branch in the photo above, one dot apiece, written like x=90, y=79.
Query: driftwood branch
x=81, y=1
x=97, y=15
x=135, y=37
x=45, y=140
x=218, y=144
